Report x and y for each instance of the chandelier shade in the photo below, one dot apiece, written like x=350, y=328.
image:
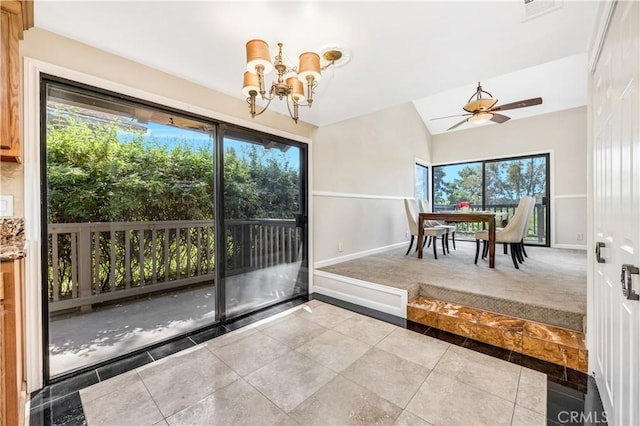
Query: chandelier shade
x=309, y=66
x=258, y=54
x=251, y=82
x=297, y=89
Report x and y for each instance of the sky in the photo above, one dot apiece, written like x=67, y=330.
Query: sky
x=451, y=171
x=172, y=136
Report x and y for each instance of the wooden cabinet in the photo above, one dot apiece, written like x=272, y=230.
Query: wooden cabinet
x=11, y=344
x=15, y=17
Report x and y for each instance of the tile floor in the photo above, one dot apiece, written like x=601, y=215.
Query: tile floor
x=314, y=363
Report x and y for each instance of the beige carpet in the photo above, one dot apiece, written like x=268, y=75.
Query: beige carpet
x=550, y=287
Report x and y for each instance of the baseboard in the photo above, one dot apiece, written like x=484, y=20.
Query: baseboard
x=570, y=246
x=385, y=299
x=340, y=259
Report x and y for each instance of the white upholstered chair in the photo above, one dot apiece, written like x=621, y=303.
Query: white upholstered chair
x=525, y=231
x=522, y=204
x=511, y=234
x=429, y=232
x=451, y=229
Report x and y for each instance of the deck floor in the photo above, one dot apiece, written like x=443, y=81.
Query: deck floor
x=77, y=340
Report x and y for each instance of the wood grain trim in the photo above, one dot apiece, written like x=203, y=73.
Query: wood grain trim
x=27, y=14
x=23, y=10
x=10, y=389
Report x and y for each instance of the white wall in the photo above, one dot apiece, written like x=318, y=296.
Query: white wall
x=563, y=134
x=362, y=169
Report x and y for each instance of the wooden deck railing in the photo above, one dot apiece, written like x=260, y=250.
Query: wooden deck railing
x=260, y=243
x=535, y=231
x=93, y=263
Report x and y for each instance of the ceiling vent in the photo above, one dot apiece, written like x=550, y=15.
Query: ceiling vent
x=536, y=8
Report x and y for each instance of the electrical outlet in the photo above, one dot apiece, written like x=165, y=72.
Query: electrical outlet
x=580, y=237
x=6, y=205
x=340, y=247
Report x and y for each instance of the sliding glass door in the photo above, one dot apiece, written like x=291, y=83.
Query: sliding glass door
x=497, y=185
x=507, y=181
x=265, y=221
x=158, y=224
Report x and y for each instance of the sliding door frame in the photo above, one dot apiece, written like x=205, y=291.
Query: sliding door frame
x=38, y=365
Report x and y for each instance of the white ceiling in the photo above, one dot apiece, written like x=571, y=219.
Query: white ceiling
x=430, y=52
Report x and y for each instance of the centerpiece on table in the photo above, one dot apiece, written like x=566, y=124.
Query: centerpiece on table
x=464, y=206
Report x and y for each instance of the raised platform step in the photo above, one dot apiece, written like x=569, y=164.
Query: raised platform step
x=509, y=307
x=551, y=343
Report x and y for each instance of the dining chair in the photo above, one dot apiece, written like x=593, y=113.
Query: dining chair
x=511, y=234
x=451, y=229
x=530, y=210
x=522, y=204
x=431, y=233
x=526, y=205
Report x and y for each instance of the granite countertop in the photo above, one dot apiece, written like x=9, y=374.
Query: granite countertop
x=12, y=243
x=12, y=250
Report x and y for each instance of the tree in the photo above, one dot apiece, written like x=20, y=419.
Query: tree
x=467, y=187
x=95, y=176
x=508, y=181
x=440, y=192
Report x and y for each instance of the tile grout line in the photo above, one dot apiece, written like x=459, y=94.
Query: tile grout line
x=151, y=396
x=515, y=400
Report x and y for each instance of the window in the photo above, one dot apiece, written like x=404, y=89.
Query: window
x=422, y=182
x=497, y=185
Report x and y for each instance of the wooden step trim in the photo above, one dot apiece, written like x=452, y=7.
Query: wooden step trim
x=550, y=343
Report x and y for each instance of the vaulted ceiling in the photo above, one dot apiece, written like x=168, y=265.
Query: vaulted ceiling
x=432, y=53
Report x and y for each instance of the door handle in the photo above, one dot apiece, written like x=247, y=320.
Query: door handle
x=599, y=245
x=627, y=281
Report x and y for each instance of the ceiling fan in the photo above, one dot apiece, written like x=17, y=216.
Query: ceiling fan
x=480, y=110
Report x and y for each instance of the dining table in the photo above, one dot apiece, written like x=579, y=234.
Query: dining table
x=460, y=216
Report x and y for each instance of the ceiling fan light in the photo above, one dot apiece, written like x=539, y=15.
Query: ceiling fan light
x=258, y=54
x=481, y=104
x=481, y=117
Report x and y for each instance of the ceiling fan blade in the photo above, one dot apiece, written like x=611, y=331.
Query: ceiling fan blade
x=457, y=124
x=450, y=116
x=499, y=118
x=519, y=104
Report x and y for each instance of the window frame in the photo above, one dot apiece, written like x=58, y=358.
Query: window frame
x=427, y=185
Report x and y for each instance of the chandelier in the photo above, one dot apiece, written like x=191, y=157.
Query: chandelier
x=292, y=90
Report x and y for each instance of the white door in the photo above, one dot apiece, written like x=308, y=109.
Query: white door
x=615, y=351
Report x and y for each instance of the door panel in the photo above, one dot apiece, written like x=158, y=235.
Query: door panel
x=264, y=223
x=130, y=253
x=616, y=102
